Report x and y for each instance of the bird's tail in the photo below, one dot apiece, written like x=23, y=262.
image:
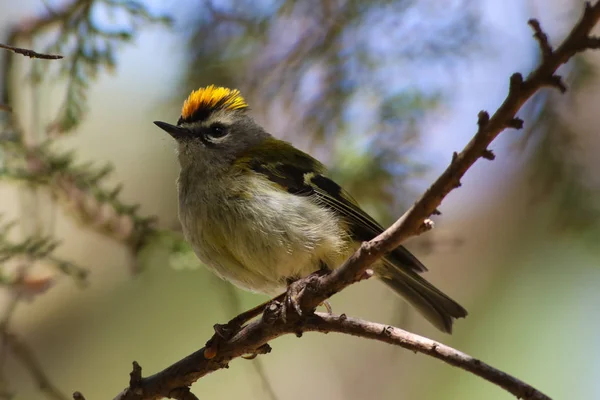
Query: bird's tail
x=434, y=305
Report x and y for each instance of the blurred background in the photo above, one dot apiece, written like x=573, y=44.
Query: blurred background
x=95, y=274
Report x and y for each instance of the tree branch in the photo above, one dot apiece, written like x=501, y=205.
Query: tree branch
x=326, y=323
x=195, y=366
x=31, y=53
x=253, y=338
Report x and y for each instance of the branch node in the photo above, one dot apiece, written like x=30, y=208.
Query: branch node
x=263, y=349
x=210, y=352
x=368, y=273
x=482, y=119
x=516, y=83
x=226, y=331
x=135, y=377
x=427, y=225
x=436, y=212
x=388, y=330
x=557, y=82
x=515, y=123
x=488, y=155
x=542, y=38
x=272, y=312
x=366, y=247
x=78, y=396
x=454, y=157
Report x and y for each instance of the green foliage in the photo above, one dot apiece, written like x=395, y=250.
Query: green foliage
x=89, y=48
x=33, y=249
x=80, y=187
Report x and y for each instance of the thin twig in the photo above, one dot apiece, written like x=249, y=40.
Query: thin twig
x=14, y=301
x=24, y=354
x=5, y=323
x=31, y=53
x=318, y=288
x=322, y=322
x=541, y=37
x=505, y=117
x=19, y=349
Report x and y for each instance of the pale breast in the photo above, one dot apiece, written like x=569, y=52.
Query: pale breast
x=260, y=239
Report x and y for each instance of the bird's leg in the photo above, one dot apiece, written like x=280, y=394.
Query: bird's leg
x=297, y=285
x=327, y=306
x=324, y=270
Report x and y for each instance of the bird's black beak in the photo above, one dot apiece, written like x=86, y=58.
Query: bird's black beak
x=173, y=130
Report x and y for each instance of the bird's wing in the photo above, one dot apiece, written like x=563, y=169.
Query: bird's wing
x=301, y=175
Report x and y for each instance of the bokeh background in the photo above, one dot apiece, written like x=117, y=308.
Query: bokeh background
x=95, y=273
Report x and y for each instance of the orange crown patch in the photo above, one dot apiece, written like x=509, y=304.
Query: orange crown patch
x=204, y=100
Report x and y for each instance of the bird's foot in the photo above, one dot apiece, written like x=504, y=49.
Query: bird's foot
x=293, y=297
x=295, y=291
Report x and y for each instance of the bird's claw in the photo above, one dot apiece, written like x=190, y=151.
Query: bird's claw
x=295, y=291
x=293, y=296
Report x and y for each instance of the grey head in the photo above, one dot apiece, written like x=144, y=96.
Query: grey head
x=213, y=129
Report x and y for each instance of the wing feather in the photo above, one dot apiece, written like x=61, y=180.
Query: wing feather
x=302, y=175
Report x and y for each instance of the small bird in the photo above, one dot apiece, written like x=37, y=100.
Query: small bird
x=261, y=214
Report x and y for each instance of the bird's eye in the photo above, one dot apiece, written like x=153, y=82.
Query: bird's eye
x=217, y=131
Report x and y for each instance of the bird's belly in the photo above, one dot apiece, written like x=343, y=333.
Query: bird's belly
x=261, y=242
